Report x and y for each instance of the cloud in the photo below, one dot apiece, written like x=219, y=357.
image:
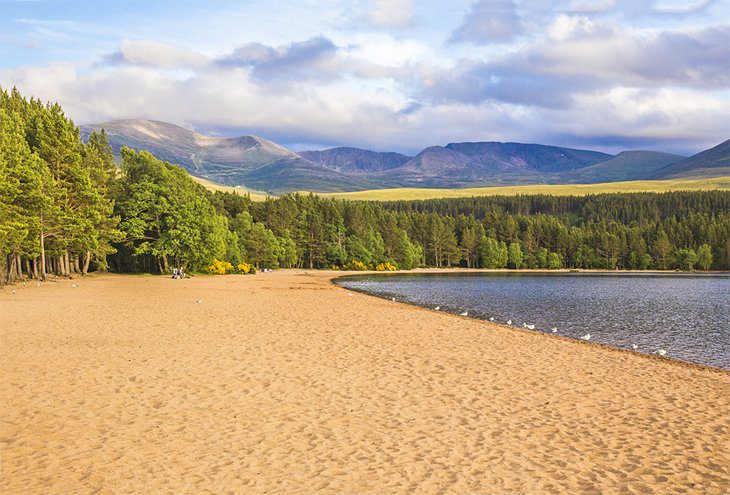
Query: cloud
x=579, y=57
x=303, y=59
x=680, y=6
x=155, y=54
x=391, y=13
x=591, y=5
x=489, y=21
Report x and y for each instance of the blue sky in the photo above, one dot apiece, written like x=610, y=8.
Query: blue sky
x=386, y=74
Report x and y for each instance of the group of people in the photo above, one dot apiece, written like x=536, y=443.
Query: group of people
x=178, y=273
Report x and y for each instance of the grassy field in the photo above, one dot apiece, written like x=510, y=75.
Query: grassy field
x=722, y=183
x=212, y=186
x=403, y=193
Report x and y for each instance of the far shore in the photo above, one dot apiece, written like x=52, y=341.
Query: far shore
x=282, y=382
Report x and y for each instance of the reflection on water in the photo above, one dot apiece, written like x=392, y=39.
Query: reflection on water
x=688, y=315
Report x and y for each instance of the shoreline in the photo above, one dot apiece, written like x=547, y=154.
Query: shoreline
x=282, y=383
x=503, y=326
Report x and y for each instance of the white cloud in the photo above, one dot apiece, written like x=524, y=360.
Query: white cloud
x=391, y=13
x=153, y=53
x=592, y=5
x=680, y=6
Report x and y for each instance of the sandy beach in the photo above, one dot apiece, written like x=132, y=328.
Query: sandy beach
x=284, y=383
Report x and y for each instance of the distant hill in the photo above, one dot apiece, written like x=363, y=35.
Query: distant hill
x=462, y=164
x=626, y=166
x=249, y=161
x=258, y=164
x=712, y=162
x=355, y=160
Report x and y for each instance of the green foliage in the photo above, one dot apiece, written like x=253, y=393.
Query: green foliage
x=704, y=257
x=64, y=203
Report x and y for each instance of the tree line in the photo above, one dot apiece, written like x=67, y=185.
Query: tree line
x=67, y=207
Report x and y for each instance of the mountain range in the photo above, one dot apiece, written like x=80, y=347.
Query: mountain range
x=260, y=164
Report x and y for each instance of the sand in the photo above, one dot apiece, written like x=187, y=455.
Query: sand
x=283, y=383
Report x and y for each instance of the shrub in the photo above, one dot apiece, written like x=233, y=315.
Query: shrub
x=356, y=265
x=386, y=267
x=218, y=267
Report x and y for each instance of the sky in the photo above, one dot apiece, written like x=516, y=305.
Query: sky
x=394, y=75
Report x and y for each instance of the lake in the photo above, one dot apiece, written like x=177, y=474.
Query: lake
x=687, y=315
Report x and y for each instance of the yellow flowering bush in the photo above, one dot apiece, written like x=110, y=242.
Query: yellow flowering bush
x=244, y=268
x=218, y=267
x=356, y=265
x=386, y=267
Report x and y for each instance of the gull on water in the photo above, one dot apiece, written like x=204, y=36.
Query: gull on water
x=554, y=329
x=586, y=337
x=530, y=327
x=634, y=346
x=465, y=313
x=661, y=352
x=509, y=322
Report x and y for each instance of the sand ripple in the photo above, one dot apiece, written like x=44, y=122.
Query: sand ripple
x=281, y=383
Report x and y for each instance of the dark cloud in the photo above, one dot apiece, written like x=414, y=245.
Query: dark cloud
x=303, y=59
x=489, y=21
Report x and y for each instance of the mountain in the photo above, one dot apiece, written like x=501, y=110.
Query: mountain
x=260, y=164
x=249, y=161
x=462, y=164
x=712, y=162
x=627, y=165
x=355, y=160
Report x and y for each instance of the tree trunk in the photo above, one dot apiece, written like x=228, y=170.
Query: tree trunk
x=66, y=264
x=35, y=267
x=43, y=253
x=87, y=260
x=27, y=268
x=165, y=264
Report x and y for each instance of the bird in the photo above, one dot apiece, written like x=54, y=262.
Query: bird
x=74, y=285
x=437, y=308
x=509, y=322
x=349, y=294
x=661, y=352
x=199, y=301
x=465, y=313
x=554, y=329
x=634, y=346
x=586, y=337
x=491, y=318
x=392, y=299
x=530, y=327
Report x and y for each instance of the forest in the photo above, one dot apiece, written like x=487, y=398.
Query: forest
x=68, y=207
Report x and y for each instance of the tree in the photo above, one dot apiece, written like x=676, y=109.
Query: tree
x=662, y=249
x=704, y=257
x=554, y=262
x=686, y=258
x=514, y=256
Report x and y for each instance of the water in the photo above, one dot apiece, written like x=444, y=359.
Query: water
x=688, y=315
